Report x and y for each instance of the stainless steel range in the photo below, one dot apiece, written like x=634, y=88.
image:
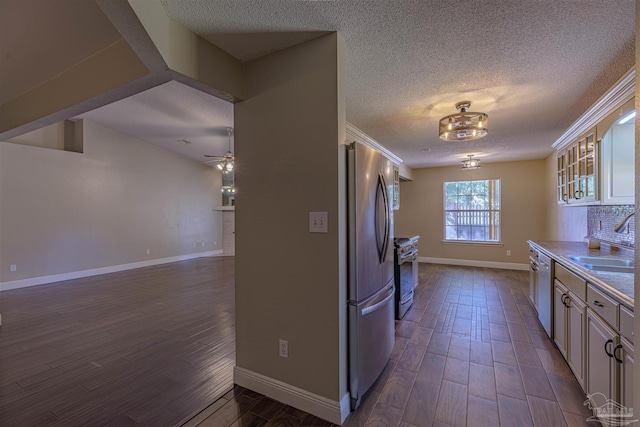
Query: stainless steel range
x=406, y=272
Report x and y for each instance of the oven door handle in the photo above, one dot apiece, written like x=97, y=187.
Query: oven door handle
x=408, y=256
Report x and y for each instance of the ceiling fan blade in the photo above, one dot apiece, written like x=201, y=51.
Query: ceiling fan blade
x=214, y=157
x=212, y=161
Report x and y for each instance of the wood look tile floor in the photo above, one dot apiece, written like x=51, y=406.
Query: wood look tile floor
x=151, y=346
x=155, y=346
x=471, y=352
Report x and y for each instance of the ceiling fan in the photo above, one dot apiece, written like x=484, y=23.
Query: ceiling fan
x=225, y=162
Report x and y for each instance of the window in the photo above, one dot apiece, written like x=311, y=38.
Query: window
x=472, y=211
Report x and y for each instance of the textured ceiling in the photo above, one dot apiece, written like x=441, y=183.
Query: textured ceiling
x=533, y=66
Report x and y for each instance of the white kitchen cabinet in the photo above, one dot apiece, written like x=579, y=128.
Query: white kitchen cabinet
x=575, y=336
x=396, y=188
x=560, y=317
x=624, y=355
x=569, y=313
x=618, y=164
x=601, y=370
x=577, y=171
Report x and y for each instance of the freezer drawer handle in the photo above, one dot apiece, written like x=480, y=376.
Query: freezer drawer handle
x=376, y=306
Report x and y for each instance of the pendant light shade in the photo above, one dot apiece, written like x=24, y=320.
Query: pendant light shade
x=464, y=125
x=471, y=163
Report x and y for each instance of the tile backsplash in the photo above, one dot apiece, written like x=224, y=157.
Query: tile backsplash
x=602, y=219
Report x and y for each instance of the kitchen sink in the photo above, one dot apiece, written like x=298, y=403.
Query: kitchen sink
x=614, y=265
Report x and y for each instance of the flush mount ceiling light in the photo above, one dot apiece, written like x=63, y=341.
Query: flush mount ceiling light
x=225, y=162
x=471, y=163
x=464, y=125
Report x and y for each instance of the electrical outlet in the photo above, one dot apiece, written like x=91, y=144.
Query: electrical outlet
x=13, y=267
x=148, y=251
x=202, y=244
x=508, y=252
x=318, y=222
x=214, y=243
x=284, y=348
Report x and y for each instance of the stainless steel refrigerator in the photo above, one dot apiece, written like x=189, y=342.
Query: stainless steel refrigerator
x=371, y=289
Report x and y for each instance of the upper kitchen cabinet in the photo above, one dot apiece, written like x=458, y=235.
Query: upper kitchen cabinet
x=577, y=170
x=618, y=159
x=595, y=163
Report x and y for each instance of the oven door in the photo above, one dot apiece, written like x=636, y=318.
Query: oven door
x=407, y=276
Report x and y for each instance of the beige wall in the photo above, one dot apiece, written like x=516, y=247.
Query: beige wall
x=523, y=214
x=289, y=282
x=63, y=212
x=566, y=223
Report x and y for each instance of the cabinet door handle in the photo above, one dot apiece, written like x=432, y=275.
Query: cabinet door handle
x=563, y=299
x=609, y=341
x=565, y=198
x=598, y=303
x=615, y=355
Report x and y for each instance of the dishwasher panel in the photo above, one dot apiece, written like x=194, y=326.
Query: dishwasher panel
x=544, y=292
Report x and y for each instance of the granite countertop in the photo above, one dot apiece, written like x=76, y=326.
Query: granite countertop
x=619, y=285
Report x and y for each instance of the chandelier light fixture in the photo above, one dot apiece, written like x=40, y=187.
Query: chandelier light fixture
x=464, y=125
x=470, y=163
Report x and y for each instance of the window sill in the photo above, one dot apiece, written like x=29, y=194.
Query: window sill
x=471, y=242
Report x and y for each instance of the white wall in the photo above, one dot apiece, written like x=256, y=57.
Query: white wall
x=523, y=208
x=64, y=212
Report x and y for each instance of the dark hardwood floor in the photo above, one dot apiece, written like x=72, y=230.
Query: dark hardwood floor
x=152, y=346
x=155, y=346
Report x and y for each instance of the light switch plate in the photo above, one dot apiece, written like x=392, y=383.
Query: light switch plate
x=318, y=222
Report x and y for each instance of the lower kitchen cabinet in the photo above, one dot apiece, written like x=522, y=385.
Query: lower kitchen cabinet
x=625, y=359
x=601, y=370
x=569, y=314
x=560, y=317
x=575, y=340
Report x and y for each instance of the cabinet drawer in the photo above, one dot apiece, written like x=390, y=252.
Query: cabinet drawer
x=571, y=281
x=606, y=307
x=626, y=323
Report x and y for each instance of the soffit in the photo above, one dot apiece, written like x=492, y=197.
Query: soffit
x=42, y=38
x=168, y=113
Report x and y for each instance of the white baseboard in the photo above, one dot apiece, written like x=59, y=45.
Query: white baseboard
x=474, y=263
x=327, y=409
x=43, y=280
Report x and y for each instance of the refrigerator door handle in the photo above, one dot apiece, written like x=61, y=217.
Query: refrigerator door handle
x=382, y=246
x=377, y=305
x=387, y=218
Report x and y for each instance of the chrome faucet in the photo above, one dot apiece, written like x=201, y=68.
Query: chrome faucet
x=622, y=224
